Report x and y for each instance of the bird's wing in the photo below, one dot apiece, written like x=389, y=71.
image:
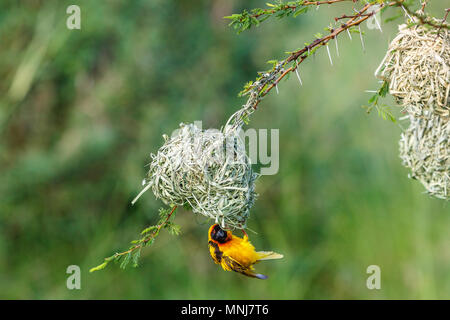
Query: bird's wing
x=228, y=263
x=215, y=252
x=268, y=255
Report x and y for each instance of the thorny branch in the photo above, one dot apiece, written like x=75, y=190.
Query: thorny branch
x=267, y=81
x=294, y=7
x=149, y=235
x=300, y=55
x=423, y=18
x=447, y=11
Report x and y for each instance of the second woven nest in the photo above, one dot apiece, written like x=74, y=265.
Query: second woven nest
x=417, y=69
x=425, y=149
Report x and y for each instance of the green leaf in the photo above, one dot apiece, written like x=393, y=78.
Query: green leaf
x=245, y=119
x=374, y=98
x=174, y=229
x=149, y=242
x=384, y=89
x=147, y=230
x=300, y=11
x=136, y=257
x=99, y=267
x=125, y=261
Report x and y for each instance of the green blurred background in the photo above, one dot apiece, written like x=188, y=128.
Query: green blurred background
x=80, y=111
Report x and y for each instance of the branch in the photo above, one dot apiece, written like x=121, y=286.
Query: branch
x=270, y=79
x=267, y=80
x=149, y=235
x=447, y=11
x=295, y=7
x=422, y=17
x=246, y=20
x=354, y=21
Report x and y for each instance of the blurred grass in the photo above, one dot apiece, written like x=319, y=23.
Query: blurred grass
x=81, y=110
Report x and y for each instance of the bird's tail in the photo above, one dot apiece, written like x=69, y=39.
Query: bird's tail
x=261, y=276
x=268, y=255
x=250, y=273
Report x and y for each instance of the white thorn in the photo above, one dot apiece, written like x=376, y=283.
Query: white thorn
x=276, y=87
x=337, y=47
x=349, y=35
x=362, y=41
x=298, y=75
x=371, y=91
x=317, y=8
x=329, y=55
x=406, y=12
x=378, y=24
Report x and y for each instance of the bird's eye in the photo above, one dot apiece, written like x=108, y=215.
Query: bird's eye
x=219, y=234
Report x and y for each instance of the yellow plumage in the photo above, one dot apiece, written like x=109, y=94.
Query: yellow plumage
x=236, y=254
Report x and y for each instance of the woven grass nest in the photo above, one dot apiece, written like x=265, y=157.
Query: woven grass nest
x=425, y=149
x=417, y=68
x=208, y=170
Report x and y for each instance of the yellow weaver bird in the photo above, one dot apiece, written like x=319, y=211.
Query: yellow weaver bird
x=237, y=254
